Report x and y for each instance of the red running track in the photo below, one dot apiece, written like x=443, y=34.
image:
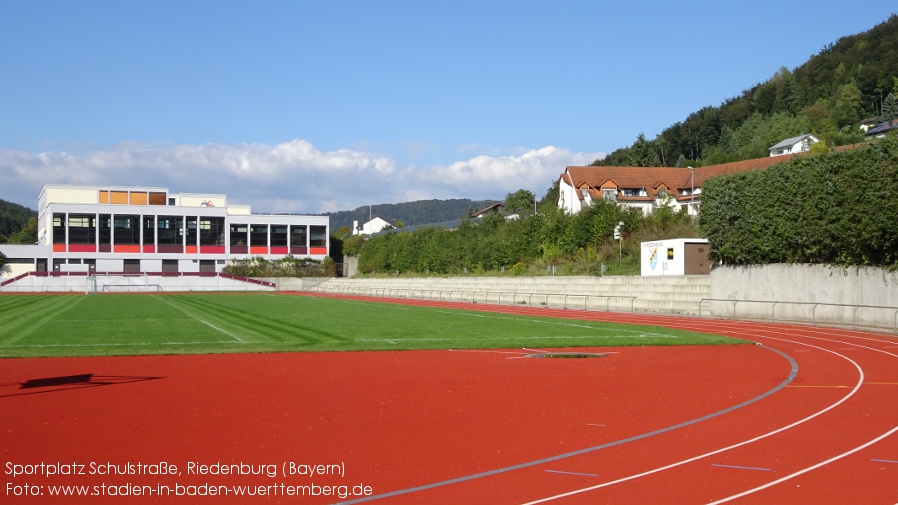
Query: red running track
x=724, y=424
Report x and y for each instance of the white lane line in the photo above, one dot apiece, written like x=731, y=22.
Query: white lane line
x=724, y=449
x=806, y=470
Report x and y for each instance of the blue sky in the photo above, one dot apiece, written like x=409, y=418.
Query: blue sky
x=310, y=107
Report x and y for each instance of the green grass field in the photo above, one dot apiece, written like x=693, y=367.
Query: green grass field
x=109, y=324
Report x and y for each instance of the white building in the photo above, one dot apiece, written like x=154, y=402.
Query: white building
x=681, y=256
x=375, y=225
x=646, y=188
x=794, y=145
x=116, y=229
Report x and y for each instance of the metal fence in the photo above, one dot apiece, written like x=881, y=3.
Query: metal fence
x=861, y=316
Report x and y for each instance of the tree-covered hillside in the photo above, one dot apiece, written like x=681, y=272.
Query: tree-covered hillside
x=13, y=217
x=853, y=79
x=410, y=213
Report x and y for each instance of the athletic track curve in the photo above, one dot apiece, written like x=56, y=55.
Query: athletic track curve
x=809, y=415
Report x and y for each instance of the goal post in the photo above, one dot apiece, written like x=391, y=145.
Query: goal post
x=90, y=286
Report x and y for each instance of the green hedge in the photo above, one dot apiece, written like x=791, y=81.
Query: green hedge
x=575, y=244
x=284, y=267
x=835, y=208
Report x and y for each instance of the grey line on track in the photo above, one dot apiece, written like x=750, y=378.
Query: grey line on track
x=784, y=383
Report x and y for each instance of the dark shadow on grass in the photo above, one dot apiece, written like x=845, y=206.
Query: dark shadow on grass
x=69, y=382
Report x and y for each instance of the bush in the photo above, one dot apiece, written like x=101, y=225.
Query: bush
x=833, y=208
x=531, y=245
x=285, y=267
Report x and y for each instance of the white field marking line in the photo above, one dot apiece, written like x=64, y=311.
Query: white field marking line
x=536, y=337
x=527, y=353
x=356, y=302
x=135, y=320
x=724, y=449
x=235, y=337
x=557, y=323
x=578, y=350
x=484, y=350
x=123, y=344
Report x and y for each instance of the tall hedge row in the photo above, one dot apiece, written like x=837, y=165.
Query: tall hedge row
x=835, y=208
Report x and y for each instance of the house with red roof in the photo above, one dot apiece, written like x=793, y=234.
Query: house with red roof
x=647, y=188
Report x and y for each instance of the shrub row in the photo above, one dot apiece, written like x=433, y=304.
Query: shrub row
x=285, y=267
x=833, y=208
x=574, y=244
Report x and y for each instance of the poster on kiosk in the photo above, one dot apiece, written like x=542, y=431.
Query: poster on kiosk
x=680, y=256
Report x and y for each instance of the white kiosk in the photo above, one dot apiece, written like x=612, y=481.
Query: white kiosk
x=680, y=256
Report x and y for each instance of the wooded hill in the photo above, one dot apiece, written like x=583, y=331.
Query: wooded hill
x=410, y=213
x=13, y=217
x=829, y=95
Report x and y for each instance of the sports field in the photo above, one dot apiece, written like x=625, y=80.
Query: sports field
x=806, y=416
x=133, y=324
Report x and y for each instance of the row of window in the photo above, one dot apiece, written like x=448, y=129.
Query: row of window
x=134, y=198
x=105, y=229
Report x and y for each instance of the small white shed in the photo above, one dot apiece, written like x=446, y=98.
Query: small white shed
x=679, y=256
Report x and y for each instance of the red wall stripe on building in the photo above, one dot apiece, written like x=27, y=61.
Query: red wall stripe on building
x=82, y=248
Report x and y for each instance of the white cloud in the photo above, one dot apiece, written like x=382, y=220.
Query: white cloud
x=495, y=176
x=292, y=177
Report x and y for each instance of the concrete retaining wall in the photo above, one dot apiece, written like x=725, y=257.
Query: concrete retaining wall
x=679, y=295
x=295, y=283
x=816, y=294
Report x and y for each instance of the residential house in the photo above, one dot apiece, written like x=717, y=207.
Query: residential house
x=880, y=130
x=870, y=122
x=794, y=145
x=496, y=207
x=371, y=227
x=646, y=188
